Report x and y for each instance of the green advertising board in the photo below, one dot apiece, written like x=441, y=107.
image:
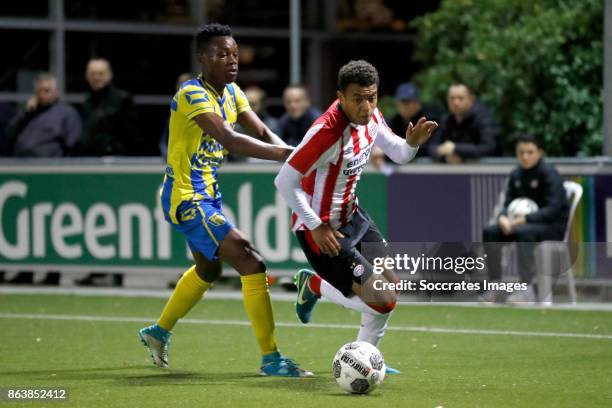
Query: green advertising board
x=108, y=217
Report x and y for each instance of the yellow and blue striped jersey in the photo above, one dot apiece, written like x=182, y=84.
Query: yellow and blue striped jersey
x=194, y=156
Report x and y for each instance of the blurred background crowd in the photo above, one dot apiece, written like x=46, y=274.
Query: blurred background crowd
x=82, y=78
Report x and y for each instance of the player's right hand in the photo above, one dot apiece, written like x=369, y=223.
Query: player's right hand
x=325, y=238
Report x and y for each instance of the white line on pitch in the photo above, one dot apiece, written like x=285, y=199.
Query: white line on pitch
x=420, y=329
x=225, y=294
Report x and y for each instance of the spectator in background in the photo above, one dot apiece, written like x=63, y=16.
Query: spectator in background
x=366, y=15
x=299, y=115
x=410, y=109
x=540, y=182
x=163, y=140
x=468, y=131
x=379, y=162
x=257, y=100
x=47, y=127
x=7, y=112
x=110, y=122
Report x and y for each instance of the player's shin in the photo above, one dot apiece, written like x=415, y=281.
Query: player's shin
x=189, y=290
x=259, y=308
x=373, y=326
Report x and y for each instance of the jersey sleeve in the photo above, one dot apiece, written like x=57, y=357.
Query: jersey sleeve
x=242, y=103
x=194, y=100
x=319, y=146
x=391, y=144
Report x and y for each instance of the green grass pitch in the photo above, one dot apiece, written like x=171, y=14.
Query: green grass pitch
x=103, y=364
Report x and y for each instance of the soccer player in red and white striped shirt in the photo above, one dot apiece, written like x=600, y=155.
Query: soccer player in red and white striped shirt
x=318, y=182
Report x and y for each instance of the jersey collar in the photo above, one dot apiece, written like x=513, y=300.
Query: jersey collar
x=220, y=98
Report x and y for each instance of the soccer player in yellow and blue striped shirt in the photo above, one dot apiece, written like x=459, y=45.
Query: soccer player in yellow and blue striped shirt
x=202, y=117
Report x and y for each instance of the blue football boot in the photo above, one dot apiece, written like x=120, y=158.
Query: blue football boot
x=306, y=298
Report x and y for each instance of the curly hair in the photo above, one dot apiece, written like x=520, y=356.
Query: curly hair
x=358, y=72
x=208, y=32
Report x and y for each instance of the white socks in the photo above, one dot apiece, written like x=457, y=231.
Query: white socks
x=354, y=302
x=373, y=327
x=373, y=323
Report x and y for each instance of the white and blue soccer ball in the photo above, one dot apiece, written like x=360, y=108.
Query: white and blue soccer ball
x=522, y=206
x=358, y=367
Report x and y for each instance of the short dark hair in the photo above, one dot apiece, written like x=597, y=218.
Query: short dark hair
x=358, y=72
x=529, y=138
x=208, y=32
x=461, y=83
x=299, y=87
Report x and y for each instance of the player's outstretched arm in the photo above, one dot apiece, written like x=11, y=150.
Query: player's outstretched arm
x=403, y=149
x=256, y=128
x=238, y=143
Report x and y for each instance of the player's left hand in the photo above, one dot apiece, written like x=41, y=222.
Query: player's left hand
x=417, y=135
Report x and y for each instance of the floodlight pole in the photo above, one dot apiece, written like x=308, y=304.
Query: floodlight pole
x=57, y=45
x=295, y=49
x=607, y=108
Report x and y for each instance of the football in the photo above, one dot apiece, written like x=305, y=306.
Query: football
x=358, y=367
x=522, y=206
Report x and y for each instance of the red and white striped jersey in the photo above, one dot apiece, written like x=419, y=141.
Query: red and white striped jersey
x=331, y=158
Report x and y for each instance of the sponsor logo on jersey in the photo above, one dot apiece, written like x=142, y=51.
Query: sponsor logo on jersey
x=217, y=219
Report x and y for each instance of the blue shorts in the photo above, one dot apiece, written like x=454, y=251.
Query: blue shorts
x=203, y=225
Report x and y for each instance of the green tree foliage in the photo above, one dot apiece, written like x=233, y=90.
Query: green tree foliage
x=538, y=64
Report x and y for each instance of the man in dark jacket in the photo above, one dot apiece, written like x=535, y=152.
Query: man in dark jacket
x=468, y=131
x=294, y=123
x=47, y=127
x=410, y=108
x=7, y=112
x=540, y=182
x=109, y=115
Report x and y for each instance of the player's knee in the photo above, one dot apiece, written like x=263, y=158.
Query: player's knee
x=390, y=297
x=383, y=308
x=209, y=273
x=261, y=267
x=253, y=261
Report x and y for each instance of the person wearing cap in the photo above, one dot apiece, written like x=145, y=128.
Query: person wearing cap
x=409, y=109
x=468, y=131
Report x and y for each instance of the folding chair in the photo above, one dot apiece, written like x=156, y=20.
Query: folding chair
x=573, y=192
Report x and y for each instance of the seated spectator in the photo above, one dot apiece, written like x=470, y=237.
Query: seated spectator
x=540, y=182
x=257, y=100
x=410, y=108
x=47, y=127
x=379, y=162
x=7, y=112
x=294, y=123
x=468, y=131
x=163, y=140
x=110, y=122
x=367, y=15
